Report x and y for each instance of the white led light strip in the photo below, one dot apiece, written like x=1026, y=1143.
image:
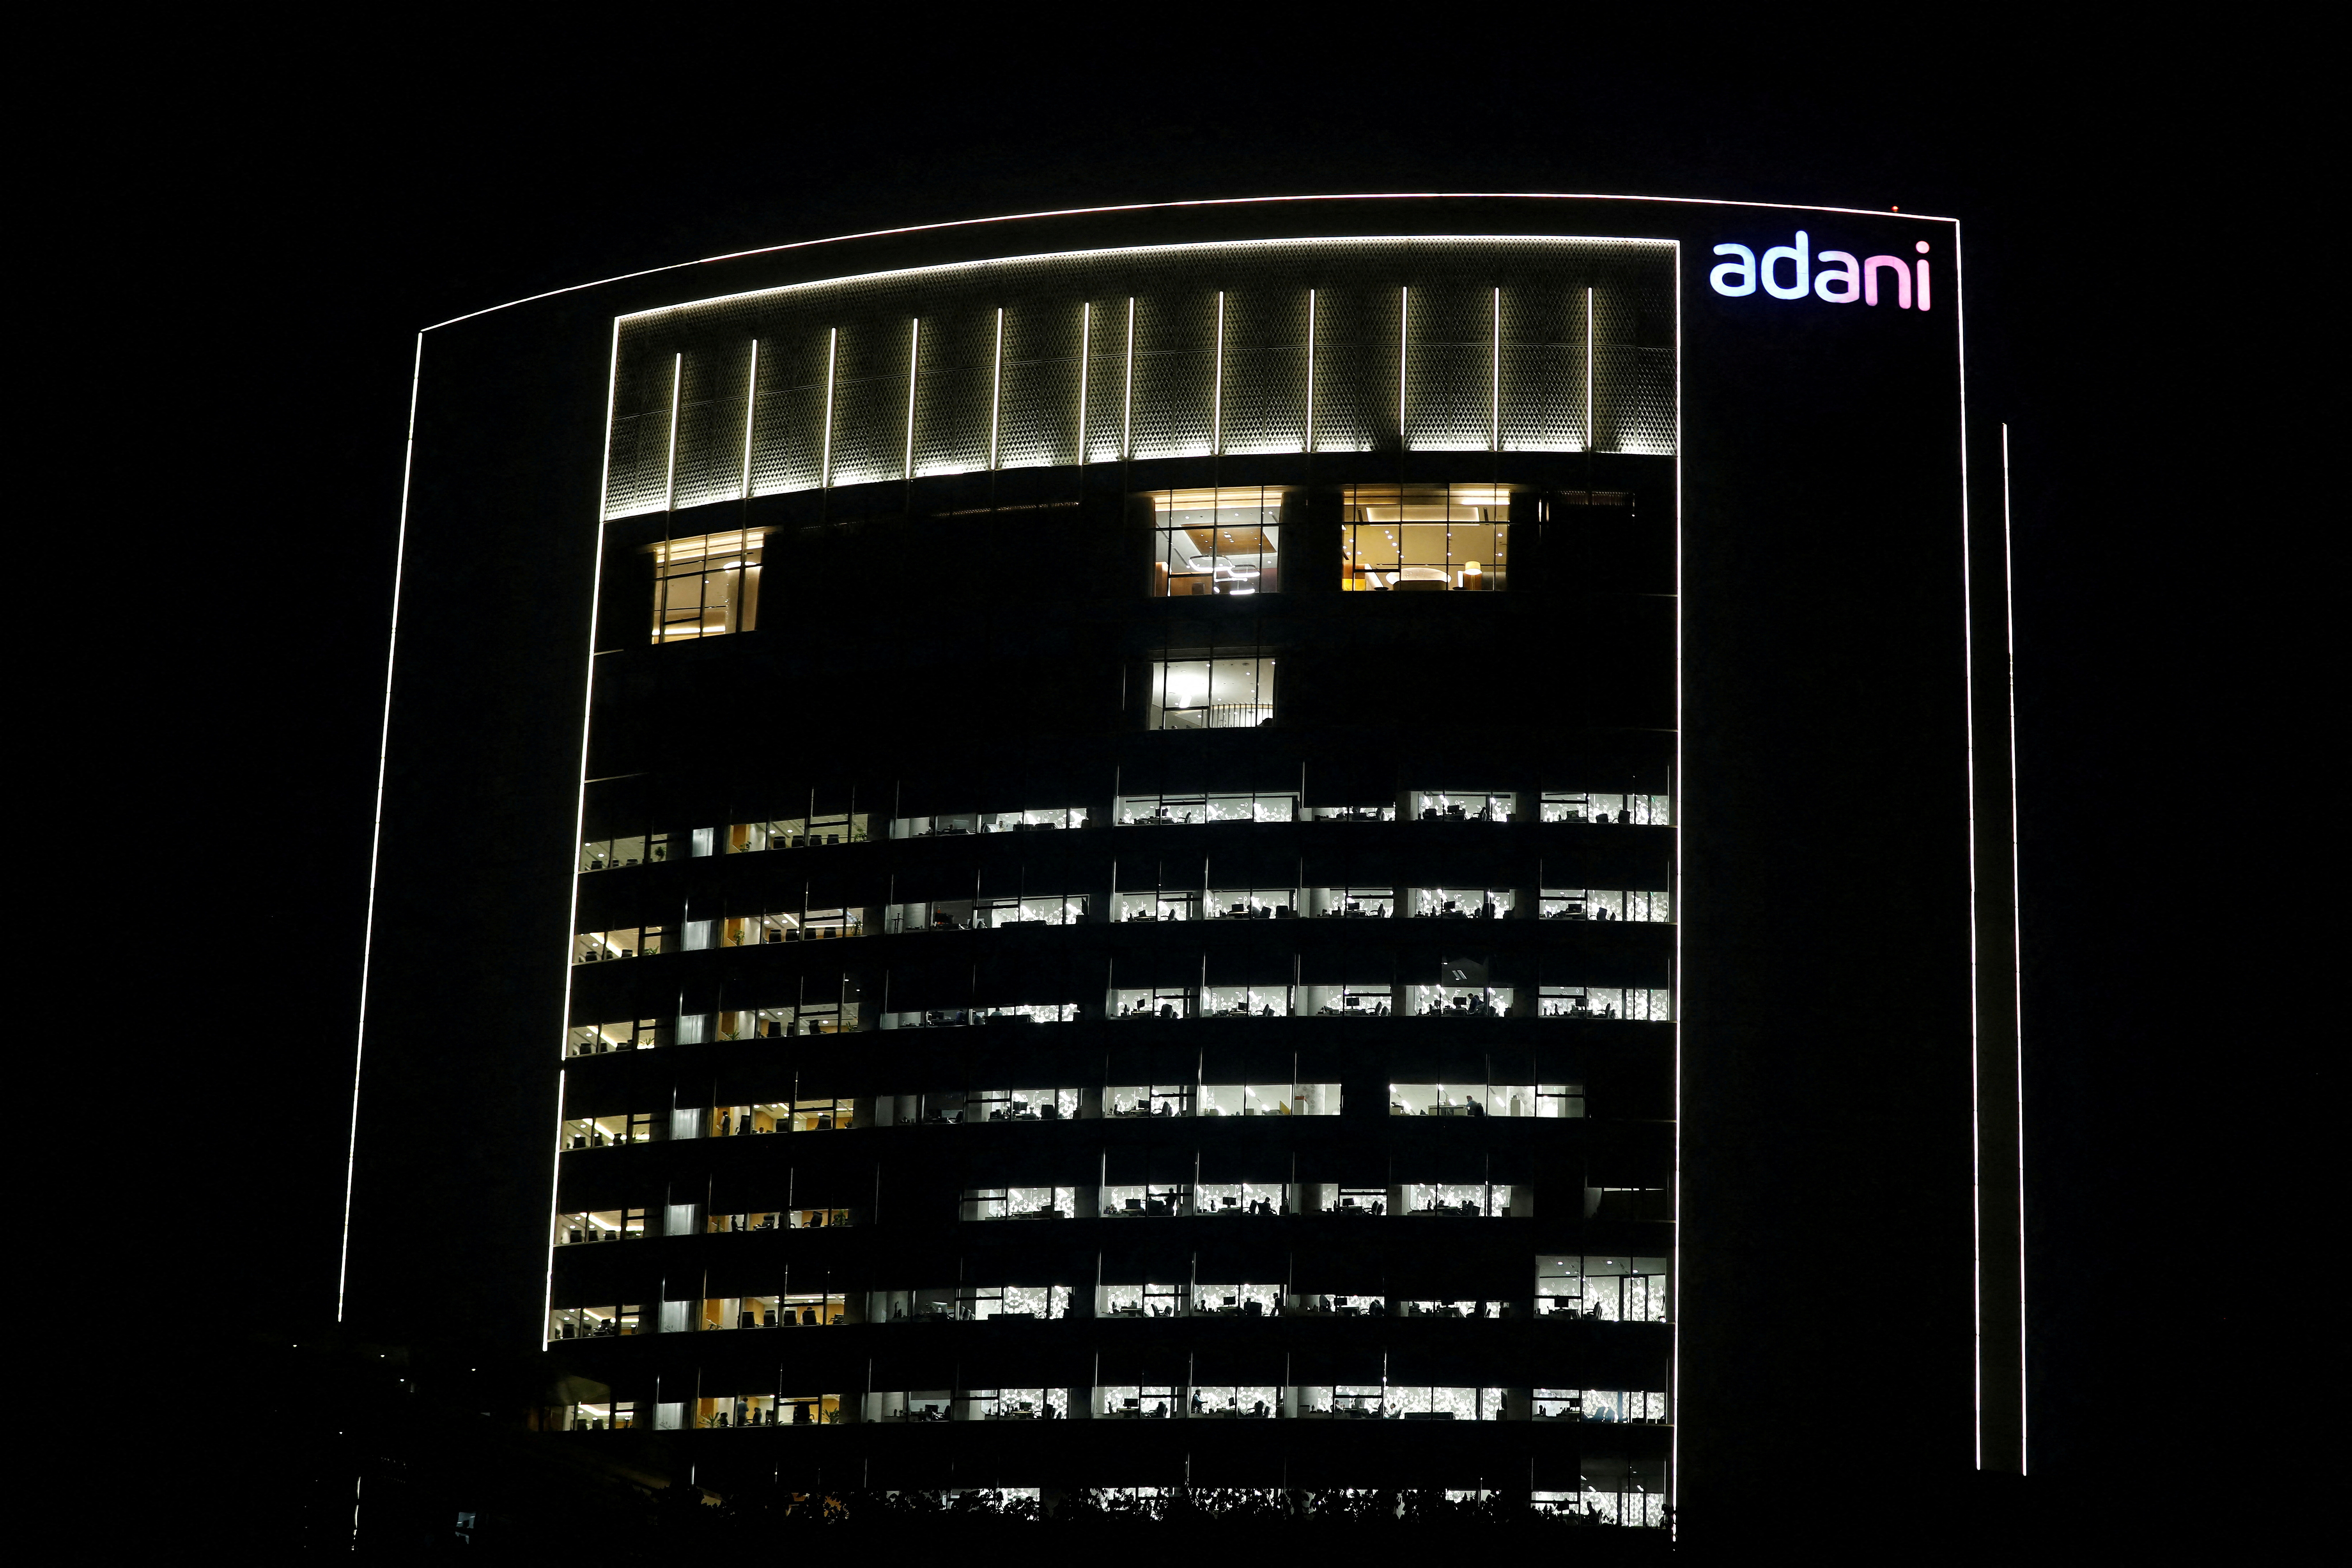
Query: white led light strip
x=824, y=455
x=669, y=473
x=1678, y=787
x=1217, y=385
x=914, y=371
x=375, y=842
x=750, y=417
x=1405, y=342
x=1495, y=403
x=996, y=387
x=579, y=826
x=1308, y=444
x=1085, y=369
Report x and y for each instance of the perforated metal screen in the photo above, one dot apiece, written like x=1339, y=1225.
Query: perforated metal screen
x=1347, y=345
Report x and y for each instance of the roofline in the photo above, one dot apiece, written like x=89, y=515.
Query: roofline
x=1156, y=206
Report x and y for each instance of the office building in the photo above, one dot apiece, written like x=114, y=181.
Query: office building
x=1311, y=844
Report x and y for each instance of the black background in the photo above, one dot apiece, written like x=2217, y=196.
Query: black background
x=294, y=208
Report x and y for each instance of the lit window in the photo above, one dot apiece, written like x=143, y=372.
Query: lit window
x=1019, y=1202
x=1380, y=812
x=1043, y=1303
x=598, y=1039
x=1252, y=903
x=1461, y=904
x=1602, y=905
x=592, y=1322
x=600, y=946
x=599, y=1225
x=1183, y=810
x=1612, y=1289
x=1358, y=903
x=835, y=1115
x=723, y=1412
x=1149, y=1200
x=1467, y=1200
x=810, y=1017
x=1463, y=805
x=1366, y=999
x=1028, y=819
x=1237, y=1300
x=801, y=923
x=1240, y=1200
x=960, y=1017
x=1245, y=1402
x=706, y=586
x=1212, y=693
x=796, y=832
x=604, y=854
x=1217, y=542
x=1131, y=1402
x=1155, y=1002
x=607, y=1132
x=1122, y=1099
x=1430, y=539
x=1012, y=1405
x=1021, y=1105
x=988, y=914
x=1483, y=1100
x=599, y=1415
x=780, y=1312
x=1638, y=810
x=1603, y=1001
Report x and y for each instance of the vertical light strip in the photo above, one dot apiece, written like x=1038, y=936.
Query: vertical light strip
x=1678, y=985
x=914, y=371
x=750, y=416
x=1404, y=336
x=825, y=451
x=579, y=825
x=669, y=480
x=1495, y=422
x=1126, y=403
x=1217, y=386
x=1085, y=368
x=1310, y=372
x=1976, y=1022
x=1591, y=435
x=996, y=387
x=2016, y=932
x=376, y=843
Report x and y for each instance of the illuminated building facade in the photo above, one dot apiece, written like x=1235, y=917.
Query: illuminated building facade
x=1308, y=844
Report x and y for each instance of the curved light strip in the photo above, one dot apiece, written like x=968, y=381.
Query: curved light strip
x=375, y=844
x=580, y=821
x=1158, y=207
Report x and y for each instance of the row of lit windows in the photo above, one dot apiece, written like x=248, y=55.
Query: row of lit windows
x=1244, y=1200
x=1214, y=541
x=1195, y=690
x=1034, y=1107
x=1111, y=1401
x=1587, y=1288
x=1144, y=1201
x=807, y=922
x=1461, y=993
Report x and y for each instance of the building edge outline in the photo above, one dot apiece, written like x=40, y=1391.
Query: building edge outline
x=1163, y=206
x=376, y=841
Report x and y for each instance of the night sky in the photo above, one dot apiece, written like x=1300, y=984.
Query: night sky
x=310, y=219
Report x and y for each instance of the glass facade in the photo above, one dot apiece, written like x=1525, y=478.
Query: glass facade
x=1317, y=1112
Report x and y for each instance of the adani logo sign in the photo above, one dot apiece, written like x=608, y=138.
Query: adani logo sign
x=1793, y=271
